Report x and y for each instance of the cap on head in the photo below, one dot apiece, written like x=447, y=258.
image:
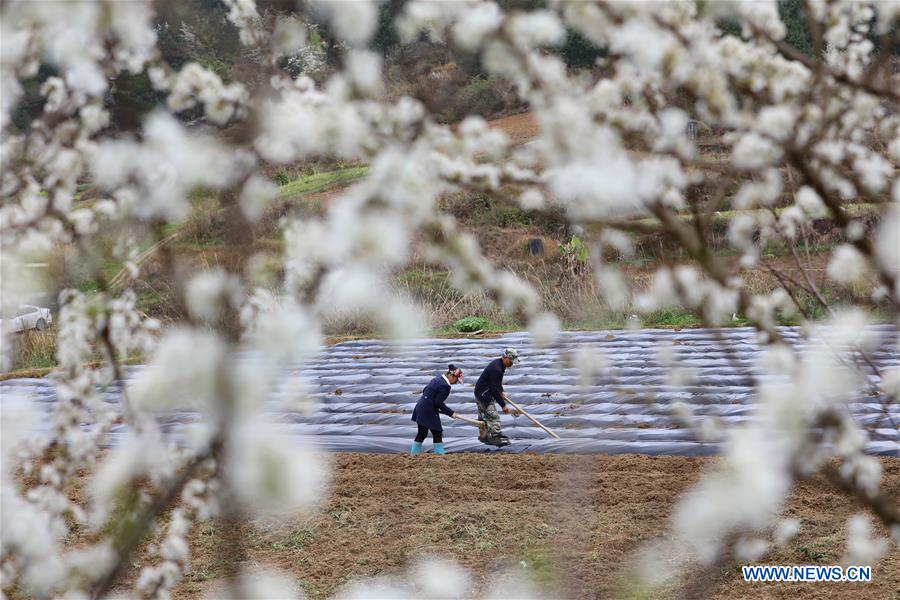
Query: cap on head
x=511, y=354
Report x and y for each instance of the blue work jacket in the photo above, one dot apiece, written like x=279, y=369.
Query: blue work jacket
x=431, y=402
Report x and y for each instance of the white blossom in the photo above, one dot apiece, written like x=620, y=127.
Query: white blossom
x=543, y=328
x=185, y=373
x=847, y=265
x=752, y=151
x=810, y=202
x=354, y=22
x=887, y=241
x=272, y=472
x=210, y=292
x=287, y=332
x=609, y=148
x=364, y=69
x=440, y=579
x=750, y=549
x=256, y=196
x=288, y=37
x=536, y=28
x=612, y=286
x=590, y=362
x=475, y=24
x=785, y=531
x=598, y=186
x=745, y=493
x=167, y=165
x=862, y=547
x=531, y=199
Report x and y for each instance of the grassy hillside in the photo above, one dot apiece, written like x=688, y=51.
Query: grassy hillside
x=509, y=237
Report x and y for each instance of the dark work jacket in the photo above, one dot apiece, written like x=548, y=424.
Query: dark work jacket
x=490, y=384
x=426, y=411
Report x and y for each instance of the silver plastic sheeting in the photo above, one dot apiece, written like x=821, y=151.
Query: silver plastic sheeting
x=365, y=391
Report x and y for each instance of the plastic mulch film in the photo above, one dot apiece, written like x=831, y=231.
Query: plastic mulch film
x=365, y=390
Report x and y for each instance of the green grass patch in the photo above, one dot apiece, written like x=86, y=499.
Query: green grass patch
x=490, y=328
x=471, y=324
x=295, y=540
x=671, y=318
x=812, y=553
x=541, y=569
x=320, y=182
x=490, y=211
x=721, y=218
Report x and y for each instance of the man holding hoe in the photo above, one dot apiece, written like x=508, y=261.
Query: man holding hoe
x=489, y=389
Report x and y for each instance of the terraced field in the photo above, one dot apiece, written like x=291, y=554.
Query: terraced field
x=366, y=390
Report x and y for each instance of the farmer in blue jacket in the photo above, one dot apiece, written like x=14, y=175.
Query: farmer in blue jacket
x=488, y=390
x=425, y=414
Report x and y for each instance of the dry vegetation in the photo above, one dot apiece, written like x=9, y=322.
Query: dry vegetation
x=573, y=520
x=507, y=235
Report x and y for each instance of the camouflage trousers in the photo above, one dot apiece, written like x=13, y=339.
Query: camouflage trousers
x=487, y=412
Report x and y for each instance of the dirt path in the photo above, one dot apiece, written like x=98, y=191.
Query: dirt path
x=574, y=521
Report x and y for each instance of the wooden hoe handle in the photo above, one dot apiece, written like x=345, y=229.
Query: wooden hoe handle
x=532, y=419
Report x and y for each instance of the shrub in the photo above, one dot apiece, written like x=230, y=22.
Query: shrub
x=282, y=178
x=471, y=324
x=575, y=256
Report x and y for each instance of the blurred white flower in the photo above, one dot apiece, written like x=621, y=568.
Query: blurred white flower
x=375, y=588
x=353, y=22
x=847, y=265
x=475, y=24
x=810, y=202
x=91, y=561
x=186, y=372
x=168, y=164
x=785, y=531
x=750, y=549
x=890, y=383
x=745, y=492
x=531, y=199
x=589, y=361
x=513, y=585
x=613, y=287
x=364, y=69
x=441, y=579
x=256, y=196
x=543, y=327
x=596, y=187
x=753, y=152
x=259, y=583
x=642, y=41
x=862, y=547
x=288, y=37
x=209, y=292
x=536, y=28
x=287, y=332
x=887, y=242
x=271, y=472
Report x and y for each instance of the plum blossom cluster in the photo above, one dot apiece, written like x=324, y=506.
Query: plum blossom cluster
x=612, y=154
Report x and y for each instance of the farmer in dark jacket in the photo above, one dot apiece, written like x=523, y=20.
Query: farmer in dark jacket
x=488, y=390
x=425, y=414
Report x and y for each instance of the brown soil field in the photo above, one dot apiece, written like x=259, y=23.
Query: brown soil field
x=575, y=522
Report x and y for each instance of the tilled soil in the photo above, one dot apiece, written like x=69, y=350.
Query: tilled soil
x=575, y=522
